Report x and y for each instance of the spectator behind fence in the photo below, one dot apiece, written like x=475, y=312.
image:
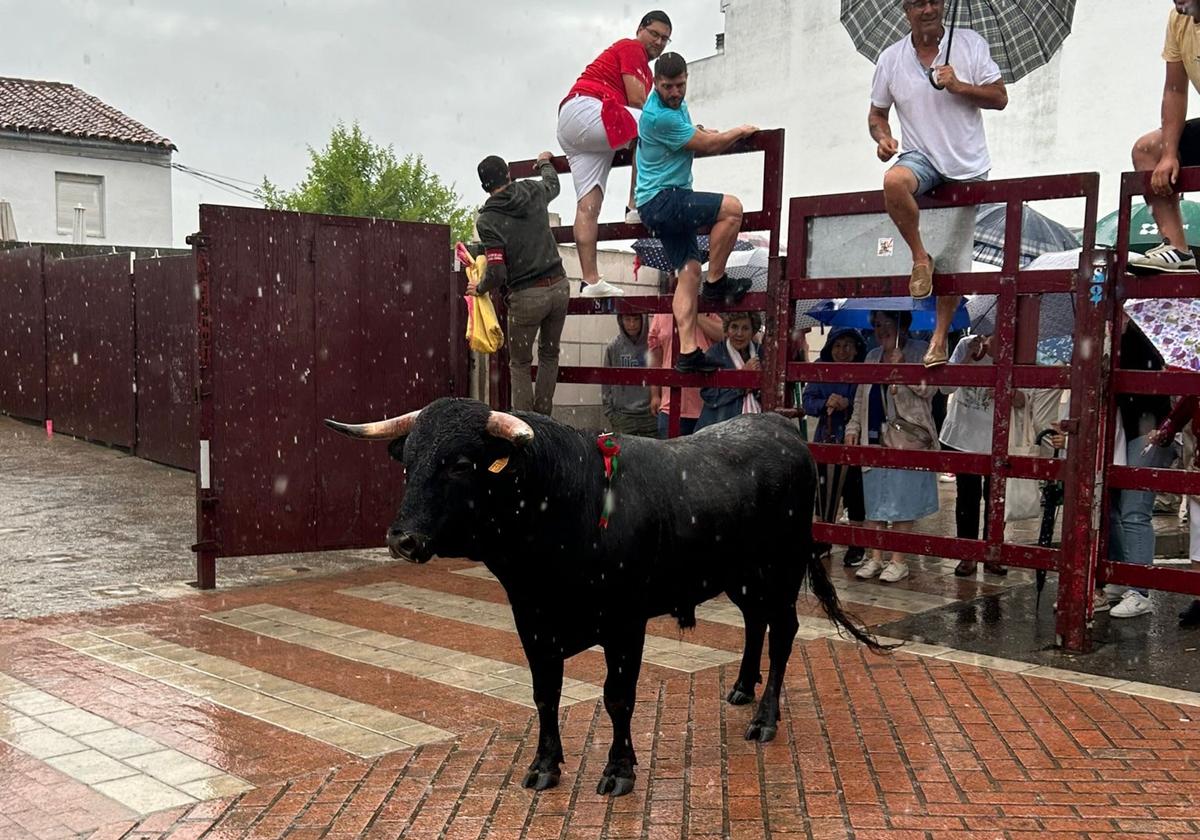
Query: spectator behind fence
x=1131, y=538
x=831, y=405
x=673, y=212
x=1187, y=409
x=941, y=133
x=662, y=326
x=738, y=351
x=968, y=428
x=627, y=407
x=897, y=417
x=1175, y=143
x=522, y=257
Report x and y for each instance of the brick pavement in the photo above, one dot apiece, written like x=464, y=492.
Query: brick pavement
x=871, y=746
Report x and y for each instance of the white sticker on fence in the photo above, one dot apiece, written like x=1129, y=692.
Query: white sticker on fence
x=205, y=477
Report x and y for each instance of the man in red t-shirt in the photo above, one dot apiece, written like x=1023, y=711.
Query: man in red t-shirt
x=595, y=119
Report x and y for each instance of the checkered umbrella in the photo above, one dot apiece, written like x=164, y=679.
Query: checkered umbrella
x=651, y=255
x=1023, y=34
x=1039, y=235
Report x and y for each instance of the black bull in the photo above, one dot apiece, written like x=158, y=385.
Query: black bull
x=726, y=510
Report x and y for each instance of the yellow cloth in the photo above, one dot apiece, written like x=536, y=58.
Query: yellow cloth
x=483, y=327
x=1183, y=45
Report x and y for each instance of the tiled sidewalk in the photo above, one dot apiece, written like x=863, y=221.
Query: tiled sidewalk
x=394, y=702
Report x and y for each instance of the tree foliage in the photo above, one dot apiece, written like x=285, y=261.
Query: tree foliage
x=352, y=176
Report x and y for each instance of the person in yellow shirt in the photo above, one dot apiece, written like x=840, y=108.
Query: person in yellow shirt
x=1176, y=143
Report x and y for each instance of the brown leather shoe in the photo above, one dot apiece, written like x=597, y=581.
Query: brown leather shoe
x=935, y=357
x=965, y=568
x=920, y=282
x=995, y=569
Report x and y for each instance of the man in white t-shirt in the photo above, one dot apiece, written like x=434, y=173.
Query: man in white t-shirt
x=941, y=132
x=1174, y=144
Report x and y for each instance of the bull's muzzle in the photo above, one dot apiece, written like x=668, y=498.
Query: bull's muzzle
x=411, y=547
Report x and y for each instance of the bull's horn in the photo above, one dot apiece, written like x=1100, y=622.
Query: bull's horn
x=513, y=429
x=390, y=429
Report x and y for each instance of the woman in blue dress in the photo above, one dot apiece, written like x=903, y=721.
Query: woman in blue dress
x=900, y=417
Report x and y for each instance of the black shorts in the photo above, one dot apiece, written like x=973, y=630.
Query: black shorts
x=1189, y=144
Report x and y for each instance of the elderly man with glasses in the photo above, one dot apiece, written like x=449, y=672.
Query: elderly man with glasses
x=941, y=132
x=598, y=116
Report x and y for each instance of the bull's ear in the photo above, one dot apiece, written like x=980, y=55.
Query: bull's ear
x=396, y=448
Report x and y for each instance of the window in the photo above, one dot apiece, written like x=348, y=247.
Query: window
x=86, y=191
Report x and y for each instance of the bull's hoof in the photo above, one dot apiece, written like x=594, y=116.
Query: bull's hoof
x=615, y=785
x=760, y=731
x=738, y=696
x=540, y=779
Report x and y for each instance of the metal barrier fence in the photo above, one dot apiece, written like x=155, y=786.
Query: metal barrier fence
x=23, y=333
x=1018, y=307
x=91, y=389
x=1171, y=382
x=770, y=144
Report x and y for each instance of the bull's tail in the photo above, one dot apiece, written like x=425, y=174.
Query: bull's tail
x=818, y=578
x=822, y=587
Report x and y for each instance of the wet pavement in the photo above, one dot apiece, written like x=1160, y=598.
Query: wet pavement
x=367, y=698
x=85, y=527
x=1147, y=649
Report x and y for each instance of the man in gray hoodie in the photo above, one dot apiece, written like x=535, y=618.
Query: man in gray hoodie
x=522, y=256
x=627, y=407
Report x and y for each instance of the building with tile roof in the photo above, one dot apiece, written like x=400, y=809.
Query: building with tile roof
x=62, y=148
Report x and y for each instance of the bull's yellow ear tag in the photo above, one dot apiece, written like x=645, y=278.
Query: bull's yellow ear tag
x=498, y=465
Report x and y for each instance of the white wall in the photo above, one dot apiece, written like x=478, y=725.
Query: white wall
x=791, y=64
x=137, y=190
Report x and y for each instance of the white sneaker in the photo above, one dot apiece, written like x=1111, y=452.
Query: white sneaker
x=632, y=216
x=1165, y=258
x=1133, y=604
x=601, y=289
x=893, y=572
x=869, y=569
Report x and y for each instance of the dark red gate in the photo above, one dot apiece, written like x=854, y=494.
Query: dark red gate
x=90, y=390
x=22, y=334
x=1018, y=306
x=304, y=317
x=165, y=296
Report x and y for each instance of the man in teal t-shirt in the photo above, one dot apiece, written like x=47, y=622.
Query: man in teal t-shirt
x=667, y=142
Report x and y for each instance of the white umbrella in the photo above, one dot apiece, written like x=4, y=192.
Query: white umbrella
x=753, y=265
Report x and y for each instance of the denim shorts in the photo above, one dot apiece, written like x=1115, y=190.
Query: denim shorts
x=674, y=216
x=928, y=176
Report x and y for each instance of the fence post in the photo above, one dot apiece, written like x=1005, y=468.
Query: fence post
x=1084, y=497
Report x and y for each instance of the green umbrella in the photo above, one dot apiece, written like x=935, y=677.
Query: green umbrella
x=1143, y=230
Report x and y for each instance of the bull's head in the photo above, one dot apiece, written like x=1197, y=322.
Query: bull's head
x=456, y=454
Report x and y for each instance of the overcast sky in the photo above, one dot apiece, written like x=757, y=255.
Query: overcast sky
x=243, y=86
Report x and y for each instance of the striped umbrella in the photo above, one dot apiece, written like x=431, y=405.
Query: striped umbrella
x=1023, y=34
